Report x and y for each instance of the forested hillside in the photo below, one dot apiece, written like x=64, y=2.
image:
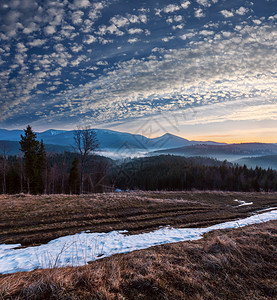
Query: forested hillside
x=59, y=175
x=164, y=172
x=178, y=173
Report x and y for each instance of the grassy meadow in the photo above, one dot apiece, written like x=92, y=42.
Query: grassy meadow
x=225, y=264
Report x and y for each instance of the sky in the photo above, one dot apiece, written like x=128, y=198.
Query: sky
x=202, y=69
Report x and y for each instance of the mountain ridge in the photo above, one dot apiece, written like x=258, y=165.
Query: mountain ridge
x=109, y=139
x=123, y=144
x=230, y=152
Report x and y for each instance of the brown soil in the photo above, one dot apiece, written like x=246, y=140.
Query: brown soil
x=32, y=220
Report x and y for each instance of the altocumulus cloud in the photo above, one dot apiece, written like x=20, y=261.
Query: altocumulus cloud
x=156, y=58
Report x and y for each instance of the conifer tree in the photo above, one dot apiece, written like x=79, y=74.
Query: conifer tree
x=30, y=147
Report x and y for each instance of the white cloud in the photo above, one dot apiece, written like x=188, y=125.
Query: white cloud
x=57, y=20
x=112, y=29
x=205, y=3
x=206, y=32
x=119, y=21
x=242, y=11
x=77, y=61
x=135, y=30
x=147, y=32
x=40, y=74
x=54, y=16
x=87, y=27
x=60, y=48
x=272, y=18
x=102, y=63
x=37, y=43
x=98, y=5
x=30, y=28
x=158, y=11
x=227, y=13
x=133, y=19
x=171, y=8
x=131, y=41
x=81, y=3
x=20, y=48
x=90, y=39
x=68, y=27
x=257, y=22
x=180, y=26
x=96, y=11
x=187, y=35
x=76, y=48
x=178, y=18
x=77, y=17
x=49, y=30
x=226, y=34
x=143, y=18
x=185, y=4
x=199, y=13
x=56, y=72
x=19, y=58
x=167, y=39
x=104, y=41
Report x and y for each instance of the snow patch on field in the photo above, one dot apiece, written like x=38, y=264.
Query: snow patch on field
x=266, y=209
x=79, y=249
x=243, y=203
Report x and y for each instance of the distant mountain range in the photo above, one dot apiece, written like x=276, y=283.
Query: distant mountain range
x=120, y=144
x=251, y=154
x=13, y=147
x=109, y=140
x=232, y=151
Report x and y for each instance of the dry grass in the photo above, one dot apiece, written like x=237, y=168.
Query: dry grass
x=31, y=220
x=230, y=264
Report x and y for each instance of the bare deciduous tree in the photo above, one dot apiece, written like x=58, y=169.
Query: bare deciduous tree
x=85, y=143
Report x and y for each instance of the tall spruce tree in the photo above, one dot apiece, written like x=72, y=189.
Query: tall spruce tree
x=30, y=147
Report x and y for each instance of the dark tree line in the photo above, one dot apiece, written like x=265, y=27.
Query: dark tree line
x=60, y=176
x=178, y=173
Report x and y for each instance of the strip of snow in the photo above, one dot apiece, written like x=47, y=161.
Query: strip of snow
x=266, y=209
x=243, y=203
x=5, y=247
x=79, y=249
